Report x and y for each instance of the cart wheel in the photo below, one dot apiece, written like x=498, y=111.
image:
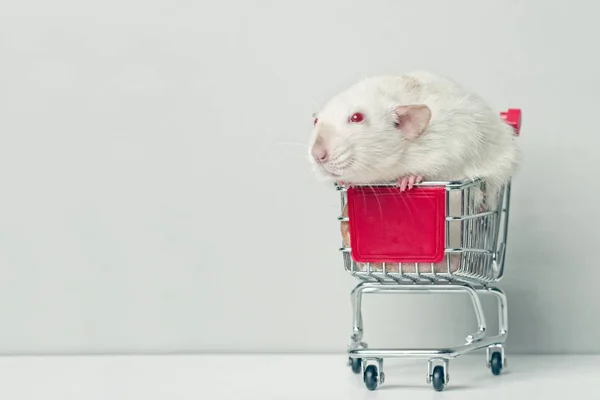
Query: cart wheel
x=370, y=377
x=355, y=364
x=496, y=363
x=437, y=379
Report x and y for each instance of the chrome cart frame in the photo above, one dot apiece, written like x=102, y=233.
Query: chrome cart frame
x=479, y=264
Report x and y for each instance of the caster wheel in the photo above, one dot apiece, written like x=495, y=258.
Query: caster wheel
x=438, y=379
x=370, y=377
x=355, y=364
x=496, y=363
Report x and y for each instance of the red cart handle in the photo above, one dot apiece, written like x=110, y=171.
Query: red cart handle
x=513, y=117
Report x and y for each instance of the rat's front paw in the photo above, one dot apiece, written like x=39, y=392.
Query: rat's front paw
x=409, y=181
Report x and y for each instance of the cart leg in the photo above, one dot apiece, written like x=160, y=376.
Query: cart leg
x=502, y=312
x=479, y=314
x=502, y=309
x=357, y=323
x=356, y=363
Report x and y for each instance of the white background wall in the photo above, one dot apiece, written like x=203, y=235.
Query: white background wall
x=155, y=194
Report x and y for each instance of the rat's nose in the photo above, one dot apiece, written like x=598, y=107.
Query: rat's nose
x=319, y=153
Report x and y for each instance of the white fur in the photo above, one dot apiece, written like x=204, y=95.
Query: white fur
x=465, y=138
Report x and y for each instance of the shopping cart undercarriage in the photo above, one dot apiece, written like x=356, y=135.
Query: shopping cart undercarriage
x=455, y=246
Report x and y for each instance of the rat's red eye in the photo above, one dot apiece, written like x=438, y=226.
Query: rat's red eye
x=316, y=120
x=357, y=117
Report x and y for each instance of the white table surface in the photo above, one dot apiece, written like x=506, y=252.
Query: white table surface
x=263, y=377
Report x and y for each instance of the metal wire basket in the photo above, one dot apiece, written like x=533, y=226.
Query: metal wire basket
x=474, y=240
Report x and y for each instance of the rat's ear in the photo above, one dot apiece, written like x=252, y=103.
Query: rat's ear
x=412, y=120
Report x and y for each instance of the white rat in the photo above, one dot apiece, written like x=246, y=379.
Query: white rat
x=412, y=127
x=409, y=128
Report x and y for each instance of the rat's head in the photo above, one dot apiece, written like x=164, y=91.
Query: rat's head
x=361, y=136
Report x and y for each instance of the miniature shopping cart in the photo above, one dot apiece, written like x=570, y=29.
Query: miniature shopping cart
x=432, y=238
